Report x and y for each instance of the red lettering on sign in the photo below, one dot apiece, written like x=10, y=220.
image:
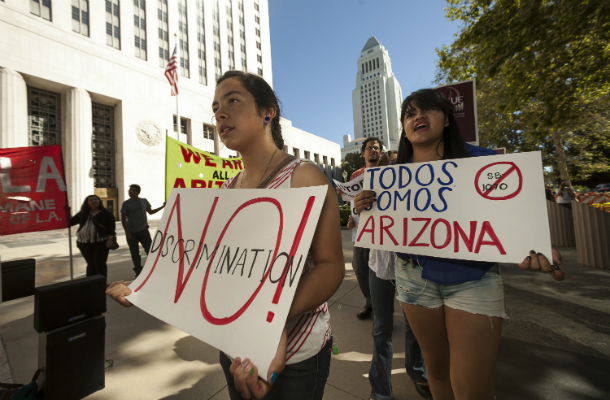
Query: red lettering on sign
x=204, y=308
x=197, y=183
x=433, y=230
x=486, y=228
x=179, y=183
x=371, y=230
x=421, y=232
x=237, y=164
x=208, y=161
x=227, y=164
x=188, y=154
x=383, y=228
x=468, y=241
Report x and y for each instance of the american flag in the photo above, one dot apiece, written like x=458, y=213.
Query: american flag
x=171, y=71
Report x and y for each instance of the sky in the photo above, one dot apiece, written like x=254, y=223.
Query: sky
x=315, y=46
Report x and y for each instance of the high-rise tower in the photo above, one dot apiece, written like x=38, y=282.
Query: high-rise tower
x=377, y=97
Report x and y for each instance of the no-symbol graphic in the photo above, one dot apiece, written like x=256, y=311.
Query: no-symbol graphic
x=499, y=181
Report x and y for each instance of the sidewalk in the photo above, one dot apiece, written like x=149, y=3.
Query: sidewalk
x=555, y=346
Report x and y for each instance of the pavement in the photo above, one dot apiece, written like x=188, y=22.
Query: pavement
x=556, y=344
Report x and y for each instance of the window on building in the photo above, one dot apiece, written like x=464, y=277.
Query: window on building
x=257, y=31
x=44, y=117
x=208, y=131
x=41, y=8
x=325, y=161
x=257, y=19
x=256, y=6
x=103, y=146
x=316, y=158
x=183, y=123
x=307, y=156
x=216, y=31
x=231, y=49
x=259, y=58
x=163, y=34
x=80, y=16
x=139, y=28
x=183, y=39
x=258, y=45
x=201, y=43
x=113, y=24
x=260, y=71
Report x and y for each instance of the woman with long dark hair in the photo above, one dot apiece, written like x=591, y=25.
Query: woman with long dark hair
x=96, y=233
x=247, y=116
x=455, y=307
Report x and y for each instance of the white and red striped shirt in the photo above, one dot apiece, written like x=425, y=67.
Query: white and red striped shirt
x=309, y=332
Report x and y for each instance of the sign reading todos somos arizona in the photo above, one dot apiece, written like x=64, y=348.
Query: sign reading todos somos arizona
x=189, y=167
x=482, y=208
x=33, y=196
x=224, y=265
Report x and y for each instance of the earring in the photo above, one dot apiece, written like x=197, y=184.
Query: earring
x=267, y=119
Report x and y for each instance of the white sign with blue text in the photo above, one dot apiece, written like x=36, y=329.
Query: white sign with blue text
x=490, y=208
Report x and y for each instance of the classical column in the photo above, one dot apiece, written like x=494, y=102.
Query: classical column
x=77, y=147
x=13, y=109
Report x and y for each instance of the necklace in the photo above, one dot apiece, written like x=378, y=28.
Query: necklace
x=260, y=180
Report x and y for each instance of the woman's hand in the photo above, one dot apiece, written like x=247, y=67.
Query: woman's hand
x=350, y=223
x=117, y=292
x=109, y=242
x=538, y=262
x=245, y=374
x=364, y=199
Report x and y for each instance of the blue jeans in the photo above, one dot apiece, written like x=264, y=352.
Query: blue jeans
x=134, y=248
x=360, y=265
x=382, y=296
x=304, y=380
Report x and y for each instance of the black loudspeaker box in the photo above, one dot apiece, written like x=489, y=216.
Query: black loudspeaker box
x=68, y=302
x=18, y=278
x=72, y=360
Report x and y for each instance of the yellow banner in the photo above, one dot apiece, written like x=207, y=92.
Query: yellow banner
x=188, y=167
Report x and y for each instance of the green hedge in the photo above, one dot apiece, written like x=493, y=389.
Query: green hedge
x=344, y=213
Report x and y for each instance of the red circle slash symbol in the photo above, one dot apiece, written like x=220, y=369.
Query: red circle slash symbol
x=485, y=190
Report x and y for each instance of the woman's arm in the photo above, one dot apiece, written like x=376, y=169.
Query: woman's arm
x=75, y=219
x=321, y=283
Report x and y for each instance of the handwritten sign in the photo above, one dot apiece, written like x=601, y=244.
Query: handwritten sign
x=351, y=188
x=33, y=191
x=348, y=191
x=188, y=167
x=224, y=265
x=481, y=208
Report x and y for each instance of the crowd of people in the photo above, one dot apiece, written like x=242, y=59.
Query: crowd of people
x=453, y=309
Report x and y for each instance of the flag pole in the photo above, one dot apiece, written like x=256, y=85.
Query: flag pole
x=178, y=124
x=69, y=216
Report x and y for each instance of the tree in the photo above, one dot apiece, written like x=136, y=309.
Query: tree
x=352, y=162
x=542, y=63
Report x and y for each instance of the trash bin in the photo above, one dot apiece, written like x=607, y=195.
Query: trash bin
x=592, y=228
x=18, y=278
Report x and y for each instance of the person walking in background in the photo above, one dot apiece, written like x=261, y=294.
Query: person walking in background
x=565, y=194
x=95, y=235
x=135, y=224
x=383, y=289
x=371, y=151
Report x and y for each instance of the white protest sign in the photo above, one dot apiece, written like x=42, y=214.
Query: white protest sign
x=489, y=208
x=218, y=266
x=351, y=188
x=348, y=191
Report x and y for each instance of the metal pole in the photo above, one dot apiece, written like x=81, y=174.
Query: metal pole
x=70, y=244
x=178, y=124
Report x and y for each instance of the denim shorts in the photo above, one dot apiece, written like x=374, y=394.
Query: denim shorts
x=485, y=296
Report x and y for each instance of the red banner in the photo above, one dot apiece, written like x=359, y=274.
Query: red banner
x=464, y=98
x=33, y=196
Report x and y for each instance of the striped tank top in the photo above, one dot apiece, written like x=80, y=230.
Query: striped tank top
x=309, y=332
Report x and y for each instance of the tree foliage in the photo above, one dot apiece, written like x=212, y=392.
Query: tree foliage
x=543, y=76
x=351, y=163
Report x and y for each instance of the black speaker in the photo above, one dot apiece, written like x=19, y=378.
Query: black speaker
x=72, y=360
x=64, y=303
x=18, y=278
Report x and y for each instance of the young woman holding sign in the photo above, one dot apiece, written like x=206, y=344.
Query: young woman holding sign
x=247, y=114
x=455, y=307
